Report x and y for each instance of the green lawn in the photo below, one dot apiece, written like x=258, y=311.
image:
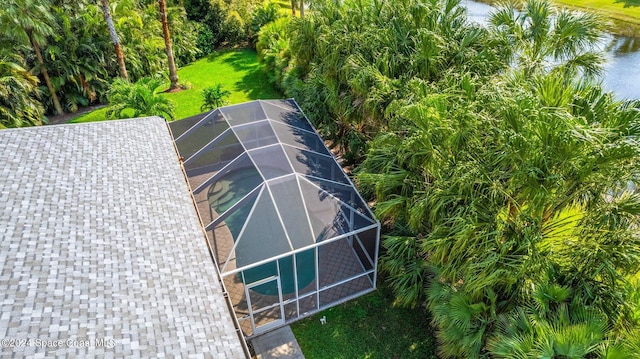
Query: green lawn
x=626, y=13
x=367, y=327
x=237, y=70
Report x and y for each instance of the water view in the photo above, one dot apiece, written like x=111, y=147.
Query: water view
x=622, y=67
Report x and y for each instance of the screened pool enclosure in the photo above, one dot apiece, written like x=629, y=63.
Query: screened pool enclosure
x=288, y=230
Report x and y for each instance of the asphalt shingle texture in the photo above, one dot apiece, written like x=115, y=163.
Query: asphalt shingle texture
x=99, y=240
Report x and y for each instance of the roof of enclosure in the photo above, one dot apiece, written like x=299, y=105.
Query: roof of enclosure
x=270, y=177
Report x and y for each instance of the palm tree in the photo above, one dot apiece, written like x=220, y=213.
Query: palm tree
x=496, y=191
x=80, y=70
x=139, y=32
x=578, y=334
x=138, y=99
x=214, y=97
x=173, y=73
x=377, y=51
x=29, y=22
x=19, y=105
x=293, y=8
x=301, y=8
x=559, y=325
x=114, y=38
x=544, y=38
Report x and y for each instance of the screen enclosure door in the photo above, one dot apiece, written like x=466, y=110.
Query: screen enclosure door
x=264, y=299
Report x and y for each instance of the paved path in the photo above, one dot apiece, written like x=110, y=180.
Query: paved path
x=280, y=343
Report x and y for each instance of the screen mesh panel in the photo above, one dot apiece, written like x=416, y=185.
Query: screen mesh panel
x=266, y=154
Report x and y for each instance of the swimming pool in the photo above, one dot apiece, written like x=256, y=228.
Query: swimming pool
x=223, y=194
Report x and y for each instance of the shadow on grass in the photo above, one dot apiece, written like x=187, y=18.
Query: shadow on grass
x=368, y=327
x=213, y=57
x=628, y=3
x=254, y=81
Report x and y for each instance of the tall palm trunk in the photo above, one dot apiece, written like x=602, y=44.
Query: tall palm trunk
x=173, y=73
x=45, y=74
x=293, y=8
x=114, y=38
x=301, y=8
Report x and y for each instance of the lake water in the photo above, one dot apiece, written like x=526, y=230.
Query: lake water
x=622, y=67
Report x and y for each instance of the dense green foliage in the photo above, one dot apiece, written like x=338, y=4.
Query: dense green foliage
x=262, y=16
x=68, y=47
x=357, y=57
x=228, y=22
x=78, y=58
x=28, y=25
x=504, y=196
x=273, y=50
x=505, y=178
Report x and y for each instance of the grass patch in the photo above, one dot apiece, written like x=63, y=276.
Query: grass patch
x=93, y=116
x=367, y=327
x=237, y=70
x=624, y=13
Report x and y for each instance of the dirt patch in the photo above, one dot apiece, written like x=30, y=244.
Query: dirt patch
x=178, y=89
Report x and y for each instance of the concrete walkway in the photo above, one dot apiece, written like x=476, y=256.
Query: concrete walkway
x=280, y=343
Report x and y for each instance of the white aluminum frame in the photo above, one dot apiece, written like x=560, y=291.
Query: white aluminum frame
x=353, y=234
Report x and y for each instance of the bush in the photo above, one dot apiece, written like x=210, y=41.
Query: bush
x=262, y=16
x=206, y=40
x=224, y=20
x=214, y=97
x=140, y=97
x=273, y=50
x=233, y=29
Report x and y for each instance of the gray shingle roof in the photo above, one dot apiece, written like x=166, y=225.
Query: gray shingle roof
x=99, y=239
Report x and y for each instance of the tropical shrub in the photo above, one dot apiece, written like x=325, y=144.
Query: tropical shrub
x=205, y=39
x=543, y=38
x=557, y=327
x=184, y=36
x=138, y=99
x=214, y=97
x=234, y=29
x=274, y=51
x=211, y=15
x=262, y=16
